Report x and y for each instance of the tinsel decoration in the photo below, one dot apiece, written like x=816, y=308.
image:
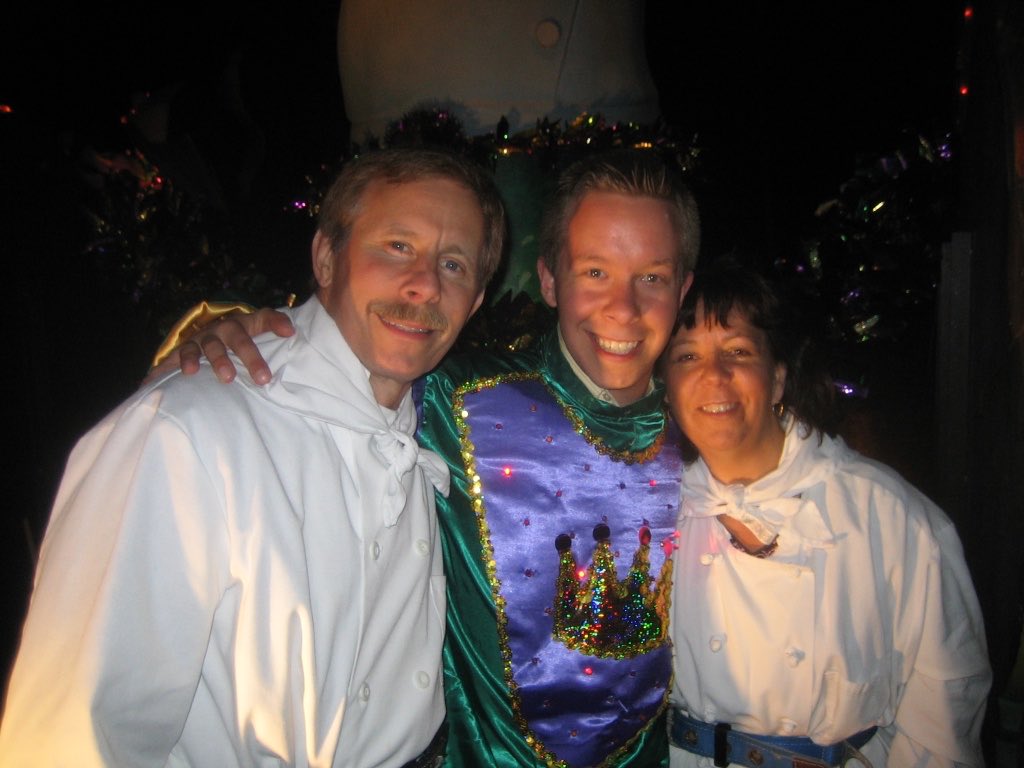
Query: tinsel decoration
x=162, y=249
x=872, y=260
x=554, y=144
x=525, y=165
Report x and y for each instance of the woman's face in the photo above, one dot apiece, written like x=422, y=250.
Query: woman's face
x=722, y=383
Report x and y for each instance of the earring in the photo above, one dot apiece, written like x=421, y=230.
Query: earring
x=779, y=409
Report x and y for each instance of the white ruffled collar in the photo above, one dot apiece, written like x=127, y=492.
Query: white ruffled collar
x=317, y=375
x=776, y=502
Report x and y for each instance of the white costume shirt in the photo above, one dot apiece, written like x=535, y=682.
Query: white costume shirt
x=239, y=576
x=864, y=616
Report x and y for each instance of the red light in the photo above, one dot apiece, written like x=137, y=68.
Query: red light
x=963, y=90
x=653, y=483
x=5, y=109
x=507, y=471
x=588, y=670
x=969, y=12
x=581, y=574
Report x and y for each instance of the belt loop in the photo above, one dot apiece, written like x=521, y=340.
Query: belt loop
x=722, y=744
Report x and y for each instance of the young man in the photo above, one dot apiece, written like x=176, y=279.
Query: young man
x=560, y=457
x=237, y=575
x=560, y=460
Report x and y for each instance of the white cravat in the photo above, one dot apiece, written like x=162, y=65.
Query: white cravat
x=317, y=375
x=770, y=503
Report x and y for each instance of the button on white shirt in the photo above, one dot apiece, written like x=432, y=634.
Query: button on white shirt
x=794, y=656
x=815, y=632
x=786, y=726
x=223, y=609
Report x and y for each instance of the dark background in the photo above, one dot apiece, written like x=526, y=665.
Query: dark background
x=785, y=99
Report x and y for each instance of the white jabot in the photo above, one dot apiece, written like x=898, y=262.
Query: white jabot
x=863, y=616
x=339, y=393
x=771, y=502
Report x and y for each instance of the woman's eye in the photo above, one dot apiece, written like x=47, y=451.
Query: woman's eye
x=452, y=266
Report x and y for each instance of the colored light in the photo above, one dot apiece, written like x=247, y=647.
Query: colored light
x=969, y=12
x=588, y=670
x=963, y=90
x=507, y=471
x=653, y=483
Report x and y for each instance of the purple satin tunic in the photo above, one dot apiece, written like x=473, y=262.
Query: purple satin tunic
x=540, y=476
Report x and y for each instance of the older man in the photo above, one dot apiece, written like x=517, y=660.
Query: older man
x=563, y=461
x=247, y=575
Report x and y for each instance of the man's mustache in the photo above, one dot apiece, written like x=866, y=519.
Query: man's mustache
x=407, y=314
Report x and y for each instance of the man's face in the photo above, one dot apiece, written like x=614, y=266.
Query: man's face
x=407, y=279
x=616, y=289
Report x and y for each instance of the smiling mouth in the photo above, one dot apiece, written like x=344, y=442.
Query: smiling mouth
x=406, y=328
x=718, y=408
x=616, y=347
x=420, y=321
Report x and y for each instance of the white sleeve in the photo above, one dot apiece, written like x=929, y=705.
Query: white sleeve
x=131, y=569
x=940, y=711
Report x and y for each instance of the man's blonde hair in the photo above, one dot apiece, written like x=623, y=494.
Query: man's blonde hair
x=637, y=173
x=341, y=204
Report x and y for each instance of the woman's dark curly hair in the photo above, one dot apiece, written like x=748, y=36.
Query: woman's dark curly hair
x=725, y=286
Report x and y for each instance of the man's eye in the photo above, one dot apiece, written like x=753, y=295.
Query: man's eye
x=652, y=278
x=400, y=246
x=594, y=273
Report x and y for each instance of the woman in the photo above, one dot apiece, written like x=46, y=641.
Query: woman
x=819, y=599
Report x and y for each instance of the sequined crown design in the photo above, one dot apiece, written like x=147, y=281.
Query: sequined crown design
x=599, y=615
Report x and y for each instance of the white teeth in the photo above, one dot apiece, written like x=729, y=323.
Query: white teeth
x=406, y=328
x=718, y=407
x=616, y=347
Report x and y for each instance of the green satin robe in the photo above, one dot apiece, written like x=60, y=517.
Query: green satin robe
x=483, y=731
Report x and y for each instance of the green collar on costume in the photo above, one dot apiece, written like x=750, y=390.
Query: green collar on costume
x=622, y=428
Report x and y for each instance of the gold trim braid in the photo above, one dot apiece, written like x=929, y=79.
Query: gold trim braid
x=193, y=321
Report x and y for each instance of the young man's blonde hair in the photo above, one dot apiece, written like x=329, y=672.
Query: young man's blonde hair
x=638, y=173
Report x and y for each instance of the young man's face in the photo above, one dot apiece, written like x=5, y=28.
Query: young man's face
x=617, y=290
x=403, y=285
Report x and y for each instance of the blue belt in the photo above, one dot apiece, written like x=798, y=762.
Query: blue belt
x=719, y=741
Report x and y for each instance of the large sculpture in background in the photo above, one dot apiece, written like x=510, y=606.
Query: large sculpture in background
x=486, y=62
x=484, y=59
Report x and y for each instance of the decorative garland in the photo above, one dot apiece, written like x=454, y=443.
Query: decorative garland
x=872, y=262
